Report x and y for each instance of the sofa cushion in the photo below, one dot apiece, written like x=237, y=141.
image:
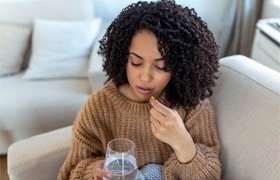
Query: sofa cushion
x=13, y=46
x=60, y=49
x=40, y=104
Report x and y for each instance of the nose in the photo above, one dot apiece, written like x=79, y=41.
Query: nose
x=146, y=75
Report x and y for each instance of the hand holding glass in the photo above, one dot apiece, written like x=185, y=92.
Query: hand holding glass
x=120, y=159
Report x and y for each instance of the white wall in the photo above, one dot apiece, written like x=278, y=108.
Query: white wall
x=212, y=12
x=109, y=9
x=271, y=9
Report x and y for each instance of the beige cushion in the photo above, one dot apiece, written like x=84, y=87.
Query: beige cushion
x=13, y=45
x=60, y=49
x=42, y=105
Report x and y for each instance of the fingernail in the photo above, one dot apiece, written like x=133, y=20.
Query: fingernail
x=109, y=175
x=152, y=98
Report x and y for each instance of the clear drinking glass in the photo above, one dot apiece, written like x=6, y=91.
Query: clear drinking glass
x=120, y=159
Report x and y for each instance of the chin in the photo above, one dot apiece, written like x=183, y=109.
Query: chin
x=143, y=97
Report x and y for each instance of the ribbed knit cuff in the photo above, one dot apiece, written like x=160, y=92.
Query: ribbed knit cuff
x=84, y=169
x=200, y=167
x=88, y=172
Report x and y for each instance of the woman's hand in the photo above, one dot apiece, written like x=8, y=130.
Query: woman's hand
x=168, y=127
x=98, y=171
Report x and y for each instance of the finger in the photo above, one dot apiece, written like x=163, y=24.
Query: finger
x=103, y=173
x=99, y=164
x=160, y=107
x=155, y=122
x=153, y=128
x=98, y=170
x=156, y=114
x=109, y=175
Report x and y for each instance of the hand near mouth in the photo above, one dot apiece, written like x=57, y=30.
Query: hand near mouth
x=168, y=127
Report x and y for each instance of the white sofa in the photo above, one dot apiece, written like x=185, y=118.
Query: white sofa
x=29, y=105
x=247, y=103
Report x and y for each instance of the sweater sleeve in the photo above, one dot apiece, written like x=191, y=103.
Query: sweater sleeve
x=78, y=164
x=205, y=165
x=85, y=148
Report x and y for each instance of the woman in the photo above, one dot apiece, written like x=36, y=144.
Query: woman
x=157, y=49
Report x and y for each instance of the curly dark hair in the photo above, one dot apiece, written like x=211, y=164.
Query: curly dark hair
x=185, y=42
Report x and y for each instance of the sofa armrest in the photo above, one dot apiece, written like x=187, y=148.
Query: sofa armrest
x=246, y=100
x=39, y=157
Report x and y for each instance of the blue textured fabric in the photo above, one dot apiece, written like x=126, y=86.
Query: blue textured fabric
x=150, y=172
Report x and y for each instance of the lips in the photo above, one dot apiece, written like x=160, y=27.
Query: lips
x=144, y=90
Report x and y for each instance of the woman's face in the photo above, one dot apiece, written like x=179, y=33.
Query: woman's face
x=145, y=68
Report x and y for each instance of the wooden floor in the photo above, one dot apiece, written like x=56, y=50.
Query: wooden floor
x=3, y=168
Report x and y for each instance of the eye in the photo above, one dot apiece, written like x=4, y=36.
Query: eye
x=160, y=68
x=160, y=65
x=135, y=61
x=135, y=64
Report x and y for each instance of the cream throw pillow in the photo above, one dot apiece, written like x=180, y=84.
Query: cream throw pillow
x=60, y=49
x=14, y=41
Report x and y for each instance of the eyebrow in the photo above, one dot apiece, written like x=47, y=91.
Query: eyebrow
x=137, y=55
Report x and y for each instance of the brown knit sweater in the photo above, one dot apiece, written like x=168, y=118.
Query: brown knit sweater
x=108, y=114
